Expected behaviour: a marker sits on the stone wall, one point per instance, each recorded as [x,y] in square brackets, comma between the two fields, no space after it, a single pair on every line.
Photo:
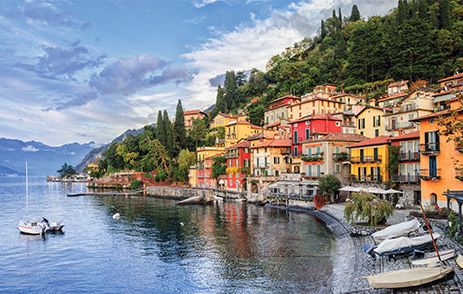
[176,193]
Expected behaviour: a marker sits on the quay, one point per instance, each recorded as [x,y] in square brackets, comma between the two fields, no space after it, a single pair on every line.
[112,193]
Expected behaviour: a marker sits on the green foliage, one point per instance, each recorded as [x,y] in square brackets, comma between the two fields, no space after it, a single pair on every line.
[453,224]
[219,166]
[355,14]
[256,113]
[169,145]
[135,184]
[198,131]
[180,139]
[367,207]
[66,170]
[328,185]
[161,129]
[393,160]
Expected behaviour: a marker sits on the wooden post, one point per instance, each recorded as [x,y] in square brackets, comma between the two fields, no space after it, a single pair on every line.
[430,232]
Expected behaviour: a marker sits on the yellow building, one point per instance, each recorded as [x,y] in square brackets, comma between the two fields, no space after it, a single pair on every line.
[369,160]
[239,129]
[370,122]
[223,119]
[193,177]
[205,152]
[271,157]
[314,105]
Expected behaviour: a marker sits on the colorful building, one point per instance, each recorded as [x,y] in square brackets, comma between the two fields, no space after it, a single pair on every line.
[223,119]
[239,129]
[395,93]
[328,154]
[419,102]
[452,82]
[238,165]
[349,99]
[314,106]
[369,160]
[277,110]
[441,159]
[202,176]
[370,122]
[190,115]
[271,157]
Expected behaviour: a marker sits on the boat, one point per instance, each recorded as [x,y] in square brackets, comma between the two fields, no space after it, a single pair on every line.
[397,230]
[431,258]
[404,245]
[408,277]
[460,261]
[31,227]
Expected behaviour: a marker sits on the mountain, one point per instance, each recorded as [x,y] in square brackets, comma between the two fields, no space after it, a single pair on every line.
[5,171]
[42,159]
[97,152]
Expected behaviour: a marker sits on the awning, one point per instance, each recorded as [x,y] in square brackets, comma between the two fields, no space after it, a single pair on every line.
[350,189]
[444,97]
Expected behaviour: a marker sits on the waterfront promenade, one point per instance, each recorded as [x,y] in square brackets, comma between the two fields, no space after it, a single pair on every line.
[353,264]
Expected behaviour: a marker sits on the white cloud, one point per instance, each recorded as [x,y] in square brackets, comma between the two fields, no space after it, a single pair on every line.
[30,148]
[248,47]
[203,3]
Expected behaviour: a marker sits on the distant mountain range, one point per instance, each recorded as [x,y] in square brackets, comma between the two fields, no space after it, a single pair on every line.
[97,152]
[42,159]
[5,171]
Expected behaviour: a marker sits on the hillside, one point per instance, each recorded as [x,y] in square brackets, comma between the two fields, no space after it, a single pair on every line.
[5,171]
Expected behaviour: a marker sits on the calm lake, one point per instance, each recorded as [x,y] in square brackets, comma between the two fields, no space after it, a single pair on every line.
[226,248]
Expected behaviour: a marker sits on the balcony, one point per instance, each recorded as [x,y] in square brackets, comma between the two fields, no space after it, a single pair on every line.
[365,159]
[231,155]
[399,126]
[231,136]
[459,174]
[429,148]
[312,157]
[367,178]
[286,152]
[430,174]
[348,124]
[404,179]
[459,146]
[408,107]
[409,156]
[342,156]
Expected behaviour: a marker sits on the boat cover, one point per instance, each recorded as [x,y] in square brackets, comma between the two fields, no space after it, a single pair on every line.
[403,242]
[397,230]
[408,277]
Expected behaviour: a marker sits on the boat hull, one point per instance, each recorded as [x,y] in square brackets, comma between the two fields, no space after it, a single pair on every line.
[28,230]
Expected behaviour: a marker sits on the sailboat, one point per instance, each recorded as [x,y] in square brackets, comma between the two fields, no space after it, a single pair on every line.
[28,226]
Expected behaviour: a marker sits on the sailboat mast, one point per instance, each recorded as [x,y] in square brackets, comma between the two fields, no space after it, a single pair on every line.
[27,191]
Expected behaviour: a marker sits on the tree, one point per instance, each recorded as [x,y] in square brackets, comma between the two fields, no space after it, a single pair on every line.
[186,159]
[230,90]
[444,14]
[220,105]
[355,14]
[179,130]
[329,185]
[66,170]
[161,129]
[169,132]
[219,166]
[322,30]
[393,161]
[198,131]
[340,18]
[240,78]
[156,157]
[256,114]
[366,207]
[130,157]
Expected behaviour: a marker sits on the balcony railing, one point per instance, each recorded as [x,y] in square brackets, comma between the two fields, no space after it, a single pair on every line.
[231,155]
[348,124]
[367,178]
[409,156]
[459,174]
[342,156]
[429,148]
[365,159]
[430,174]
[409,107]
[231,136]
[459,146]
[406,178]
[312,157]
[398,126]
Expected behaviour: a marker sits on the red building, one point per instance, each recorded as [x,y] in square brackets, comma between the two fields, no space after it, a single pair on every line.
[311,127]
[238,165]
[277,112]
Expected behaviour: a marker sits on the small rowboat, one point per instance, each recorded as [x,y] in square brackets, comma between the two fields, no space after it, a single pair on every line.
[408,277]
[460,261]
[431,259]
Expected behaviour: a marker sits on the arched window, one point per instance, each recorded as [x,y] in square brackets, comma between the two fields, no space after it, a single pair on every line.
[433,199]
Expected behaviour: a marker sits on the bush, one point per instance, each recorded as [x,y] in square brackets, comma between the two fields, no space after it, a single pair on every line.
[157,178]
[367,207]
[135,184]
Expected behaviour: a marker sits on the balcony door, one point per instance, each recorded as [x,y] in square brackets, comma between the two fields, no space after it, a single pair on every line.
[375,154]
[393,123]
[432,166]
[361,155]
[431,139]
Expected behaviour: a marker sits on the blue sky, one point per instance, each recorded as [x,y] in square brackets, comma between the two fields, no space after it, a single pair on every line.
[88,70]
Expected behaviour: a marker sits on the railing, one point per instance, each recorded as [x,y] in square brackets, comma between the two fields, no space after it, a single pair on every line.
[298,140]
[313,157]
[406,178]
[398,126]
[365,159]
[429,148]
[286,152]
[367,178]
[459,174]
[292,196]
[342,156]
[409,107]
[231,136]
[409,156]
[430,174]
[231,155]
[348,124]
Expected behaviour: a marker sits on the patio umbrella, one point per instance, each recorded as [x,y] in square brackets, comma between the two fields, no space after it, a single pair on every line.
[349,189]
[392,191]
[374,190]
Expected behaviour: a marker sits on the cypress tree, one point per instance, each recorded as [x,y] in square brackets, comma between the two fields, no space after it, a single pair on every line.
[160,129]
[323,30]
[179,130]
[230,90]
[355,14]
[444,14]
[340,19]
[220,100]
[169,132]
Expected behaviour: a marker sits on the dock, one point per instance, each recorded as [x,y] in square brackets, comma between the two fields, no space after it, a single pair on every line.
[111,193]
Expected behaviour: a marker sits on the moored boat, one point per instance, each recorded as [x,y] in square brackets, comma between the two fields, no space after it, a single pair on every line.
[397,230]
[408,277]
[31,227]
[460,261]
[404,245]
[431,258]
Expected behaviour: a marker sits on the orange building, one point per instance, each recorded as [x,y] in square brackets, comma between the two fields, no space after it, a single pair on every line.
[190,115]
[441,161]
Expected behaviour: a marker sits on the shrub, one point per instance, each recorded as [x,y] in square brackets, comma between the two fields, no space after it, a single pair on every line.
[367,207]
[157,178]
[135,184]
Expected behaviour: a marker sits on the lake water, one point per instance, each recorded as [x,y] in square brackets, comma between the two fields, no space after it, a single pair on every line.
[226,248]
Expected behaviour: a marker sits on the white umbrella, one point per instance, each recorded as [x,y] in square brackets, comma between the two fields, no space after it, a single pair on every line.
[392,191]
[374,190]
[349,189]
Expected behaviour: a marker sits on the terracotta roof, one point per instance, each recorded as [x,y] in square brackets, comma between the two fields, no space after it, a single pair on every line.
[227,115]
[399,83]
[255,137]
[242,144]
[381,140]
[284,97]
[193,111]
[435,114]
[315,116]
[274,143]
[274,124]
[341,137]
[346,94]
[395,96]
[408,136]
[213,156]
[315,99]
[457,76]
[368,107]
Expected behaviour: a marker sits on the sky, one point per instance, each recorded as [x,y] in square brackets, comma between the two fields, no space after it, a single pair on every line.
[80,71]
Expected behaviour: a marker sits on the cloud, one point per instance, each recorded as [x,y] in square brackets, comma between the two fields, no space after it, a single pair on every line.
[77,100]
[217,80]
[130,75]
[58,62]
[203,3]
[251,46]
[30,148]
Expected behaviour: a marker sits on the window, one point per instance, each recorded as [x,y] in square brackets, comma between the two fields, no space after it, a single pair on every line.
[431,140]
[318,170]
[361,133]
[362,153]
[432,166]
[307,134]
[296,151]
[309,170]
[277,173]
[337,168]
[337,150]
[377,133]
[318,150]
[295,137]
[375,153]
[276,160]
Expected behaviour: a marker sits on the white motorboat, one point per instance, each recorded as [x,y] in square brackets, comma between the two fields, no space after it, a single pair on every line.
[32,227]
[397,230]
[404,245]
